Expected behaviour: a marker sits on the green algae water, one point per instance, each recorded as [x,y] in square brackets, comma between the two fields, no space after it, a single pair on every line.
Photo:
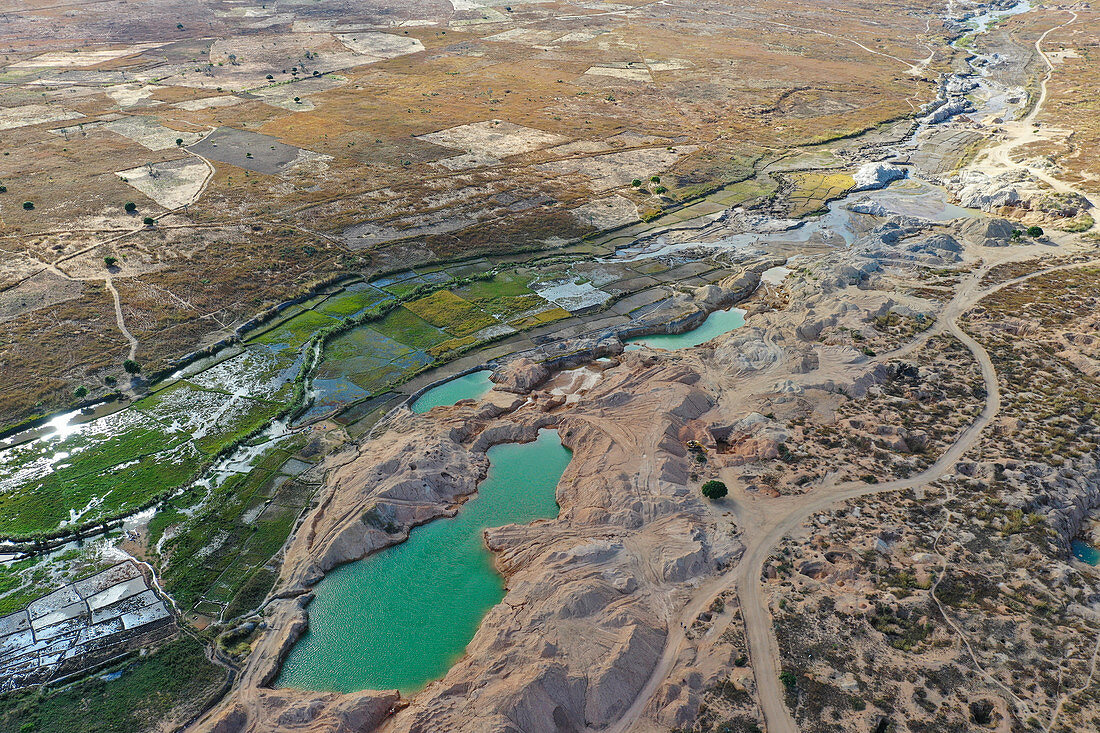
[402,617]
[469,386]
[716,324]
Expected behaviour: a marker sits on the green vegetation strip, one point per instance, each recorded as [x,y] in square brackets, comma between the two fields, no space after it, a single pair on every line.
[175,681]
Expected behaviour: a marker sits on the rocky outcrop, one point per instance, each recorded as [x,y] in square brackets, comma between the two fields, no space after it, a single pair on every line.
[286,711]
[989,232]
[979,190]
[872,176]
[520,375]
[686,310]
[950,108]
[1065,495]
[529,370]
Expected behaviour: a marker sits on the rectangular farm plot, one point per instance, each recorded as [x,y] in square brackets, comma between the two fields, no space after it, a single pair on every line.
[493,138]
[405,327]
[405,288]
[386,376]
[330,395]
[504,297]
[572,293]
[297,330]
[813,190]
[171,184]
[369,361]
[541,318]
[354,301]
[359,350]
[249,150]
[446,310]
[34,114]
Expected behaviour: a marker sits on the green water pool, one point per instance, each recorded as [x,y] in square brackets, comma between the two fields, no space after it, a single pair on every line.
[469,386]
[716,324]
[402,617]
[1085,552]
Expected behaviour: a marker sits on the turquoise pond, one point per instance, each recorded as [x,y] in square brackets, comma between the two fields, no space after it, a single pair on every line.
[716,324]
[402,617]
[469,386]
[1085,552]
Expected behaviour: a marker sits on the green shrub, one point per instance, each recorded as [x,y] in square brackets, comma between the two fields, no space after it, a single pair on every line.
[714,490]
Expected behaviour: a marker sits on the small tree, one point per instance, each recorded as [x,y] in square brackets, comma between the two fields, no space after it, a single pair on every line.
[788,679]
[636,182]
[148,221]
[179,142]
[28,205]
[655,179]
[80,392]
[659,189]
[131,366]
[1034,231]
[3,188]
[130,207]
[110,261]
[714,490]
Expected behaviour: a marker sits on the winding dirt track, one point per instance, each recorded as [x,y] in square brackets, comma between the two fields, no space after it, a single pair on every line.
[118,317]
[1025,132]
[766,522]
[765,528]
